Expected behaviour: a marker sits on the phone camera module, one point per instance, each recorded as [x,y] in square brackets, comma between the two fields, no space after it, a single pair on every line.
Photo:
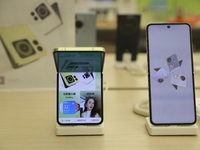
[23,48]
[168,26]
[160,80]
[70,79]
[169,59]
[79,24]
[86,75]
[183,78]
[42,11]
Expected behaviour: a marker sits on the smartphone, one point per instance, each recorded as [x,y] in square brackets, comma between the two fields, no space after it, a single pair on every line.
[79,85]
[170,74]
[128,31]
[86,27]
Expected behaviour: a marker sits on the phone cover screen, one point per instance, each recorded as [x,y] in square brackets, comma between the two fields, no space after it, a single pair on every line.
[170,67]
[79,87]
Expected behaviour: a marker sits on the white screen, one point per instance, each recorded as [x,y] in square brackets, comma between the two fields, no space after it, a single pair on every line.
[171,85]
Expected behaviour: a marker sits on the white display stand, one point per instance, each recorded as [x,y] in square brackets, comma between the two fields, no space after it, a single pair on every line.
[171,130]
[134,67]
[80,130]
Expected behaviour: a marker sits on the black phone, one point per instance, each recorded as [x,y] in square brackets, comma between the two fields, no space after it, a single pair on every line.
[79,85]
[128,31]
[170,74]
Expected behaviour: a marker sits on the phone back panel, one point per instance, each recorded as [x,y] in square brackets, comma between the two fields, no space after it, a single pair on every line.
[86,29]
[128,31]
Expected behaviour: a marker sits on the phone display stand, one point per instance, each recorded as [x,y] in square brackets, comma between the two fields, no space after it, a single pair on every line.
[171,130]
[132,66]
[80,129]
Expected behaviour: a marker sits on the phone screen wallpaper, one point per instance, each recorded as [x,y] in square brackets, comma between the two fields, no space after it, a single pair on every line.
[171,75]
[80,88]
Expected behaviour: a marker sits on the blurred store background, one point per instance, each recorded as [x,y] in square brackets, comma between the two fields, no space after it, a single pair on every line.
[30,32]
[151,11]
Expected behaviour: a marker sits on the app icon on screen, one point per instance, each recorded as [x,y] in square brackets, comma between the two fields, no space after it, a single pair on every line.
[70,107]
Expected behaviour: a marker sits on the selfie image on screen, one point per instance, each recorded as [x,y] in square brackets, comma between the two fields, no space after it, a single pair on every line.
[90,106]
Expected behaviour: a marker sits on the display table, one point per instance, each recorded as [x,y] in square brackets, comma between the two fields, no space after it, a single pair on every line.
[123,79]
[28,122]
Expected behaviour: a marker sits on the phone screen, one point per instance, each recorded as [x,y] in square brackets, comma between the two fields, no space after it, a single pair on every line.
[79,87]
[171,78]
